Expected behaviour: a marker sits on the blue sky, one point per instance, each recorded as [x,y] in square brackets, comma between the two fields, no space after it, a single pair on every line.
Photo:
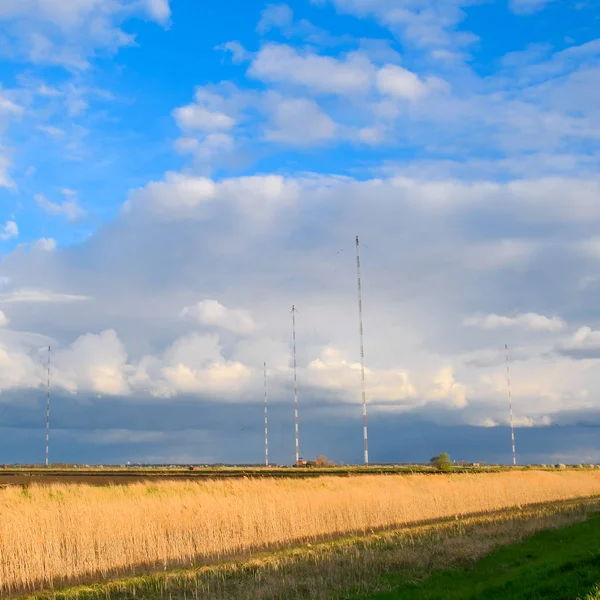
[174,175]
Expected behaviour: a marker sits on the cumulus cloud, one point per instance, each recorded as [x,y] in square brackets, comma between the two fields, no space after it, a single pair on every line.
[184,196]
[300,122]
[273,241]
[446,388]
[176,194]
[9,230]
[67,33]
[323,74]
[531,321]
[5,180]
[275,16]
[44,244]
[193,364]
[398,82]
[584,343]
[17,369]
[94,362]
[238,53]
[424,23]
[8,107]
[4,321]
[158,10]
[194,116]
[446,238]
[333,371]
[69,208]
[211,313]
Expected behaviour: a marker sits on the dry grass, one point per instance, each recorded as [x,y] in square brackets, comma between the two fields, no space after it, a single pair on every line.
[59,534]
[346,568]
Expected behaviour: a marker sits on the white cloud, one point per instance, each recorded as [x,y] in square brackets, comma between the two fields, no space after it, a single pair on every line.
[211,313]
[67,33]
[526,422]
[515,253]
[51,131]
[9,230]
[191,365]
[177,195]
[273,241]
[371,135]
[17,369]
[396,81]
[332,371]
[159,10]
[446,388]
[41,296]
[275,16]
[300,122]
[424,23]
[45,245]
[585,338]
[194,116]
[69,208]
[322,74]
[5,180]
[96,363]
[207,149]
[238,53]
[9,107]
[184,196]
[530,321]
[4,321]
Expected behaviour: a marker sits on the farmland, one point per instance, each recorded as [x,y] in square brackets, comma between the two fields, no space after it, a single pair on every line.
[64,534]
[119,475]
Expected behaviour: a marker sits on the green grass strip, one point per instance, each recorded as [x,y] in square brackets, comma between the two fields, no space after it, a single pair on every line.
[552,565]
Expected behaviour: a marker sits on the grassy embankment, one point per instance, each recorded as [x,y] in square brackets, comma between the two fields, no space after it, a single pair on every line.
[56,535]
[553,565]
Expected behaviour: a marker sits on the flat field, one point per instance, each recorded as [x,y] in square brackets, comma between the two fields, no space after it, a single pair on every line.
[115,475]
[439,560]
[61,534]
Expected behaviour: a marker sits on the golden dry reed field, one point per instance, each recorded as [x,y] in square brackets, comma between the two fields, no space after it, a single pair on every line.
[66,533]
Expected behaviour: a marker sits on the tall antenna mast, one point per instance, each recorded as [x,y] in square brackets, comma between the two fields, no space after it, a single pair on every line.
[48,405]
[295,384]
[512,422]
[362,355]
[266,422]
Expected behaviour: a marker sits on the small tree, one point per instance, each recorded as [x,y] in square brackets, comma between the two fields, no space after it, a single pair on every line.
[441,462]
[323,462]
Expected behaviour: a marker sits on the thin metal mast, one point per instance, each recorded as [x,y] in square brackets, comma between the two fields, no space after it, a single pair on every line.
[362,355]
[266,421]
[48,405]
[512,422]
[295,384]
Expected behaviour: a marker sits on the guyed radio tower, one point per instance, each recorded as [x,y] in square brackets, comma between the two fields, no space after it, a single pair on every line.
[295,383]
[48,406]
[512,422]
[362,355]
[266,421]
